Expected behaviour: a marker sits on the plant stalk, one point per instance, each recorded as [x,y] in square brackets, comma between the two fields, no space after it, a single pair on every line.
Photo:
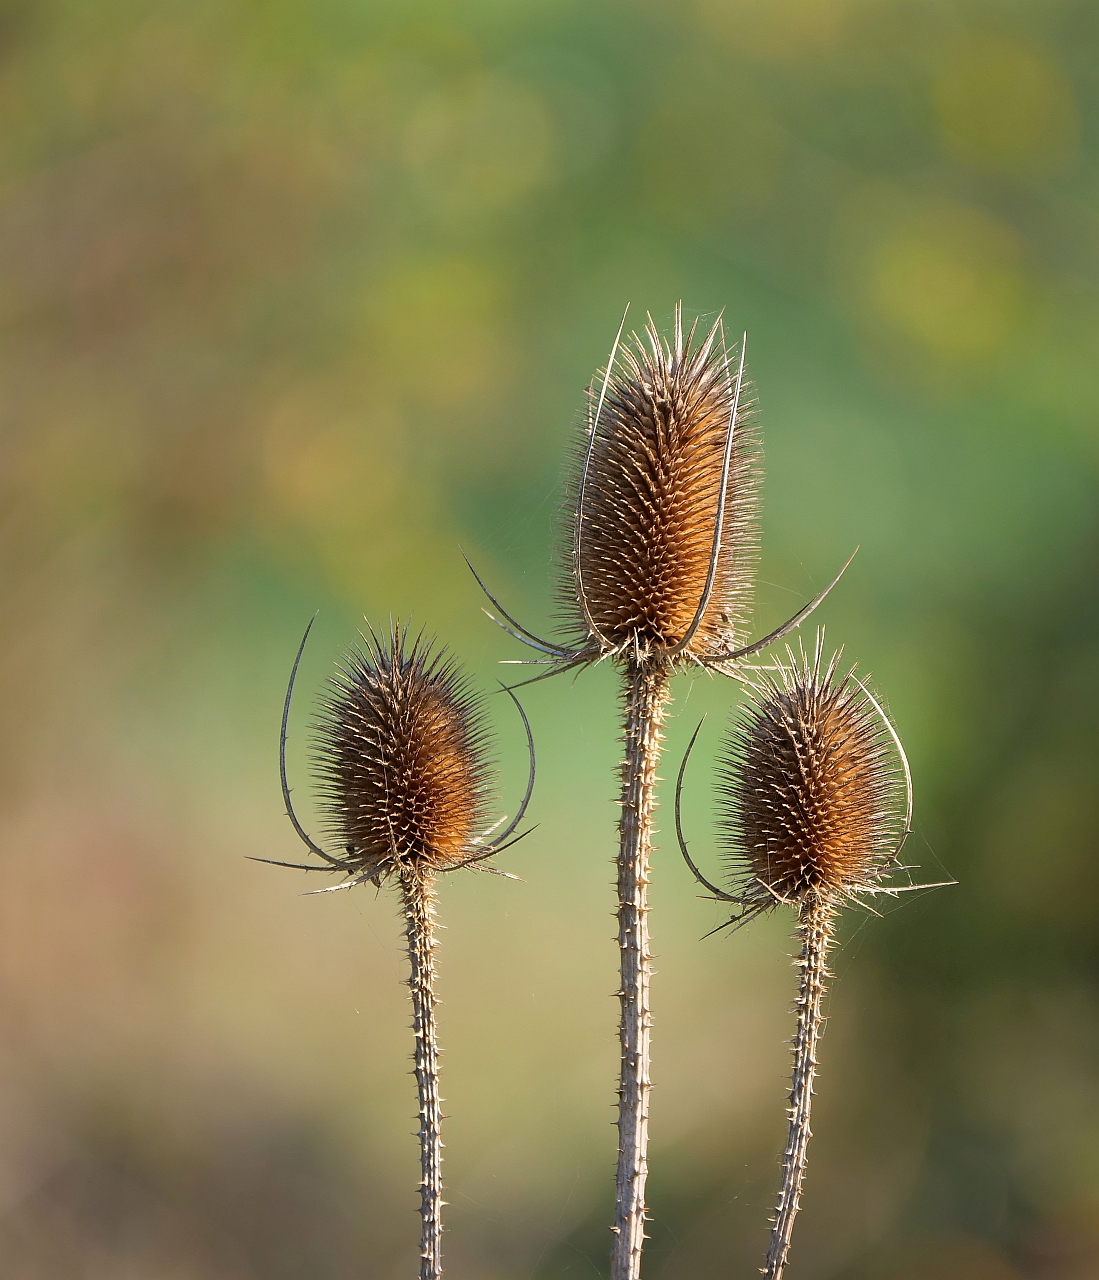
[815,930]
[645,696]
[418,904]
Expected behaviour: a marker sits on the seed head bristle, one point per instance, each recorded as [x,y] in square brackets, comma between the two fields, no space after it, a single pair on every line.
[646,501]
[811,793]
[402,759]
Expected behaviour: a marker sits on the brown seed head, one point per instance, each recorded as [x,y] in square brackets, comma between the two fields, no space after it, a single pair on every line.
[812,798]
[401,759]
[646,566]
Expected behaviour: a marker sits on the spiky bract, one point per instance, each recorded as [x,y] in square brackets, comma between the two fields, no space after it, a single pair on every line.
[812,796]
[646,497]
[402,759]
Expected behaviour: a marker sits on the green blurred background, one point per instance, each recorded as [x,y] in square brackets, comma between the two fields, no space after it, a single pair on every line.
[299,296]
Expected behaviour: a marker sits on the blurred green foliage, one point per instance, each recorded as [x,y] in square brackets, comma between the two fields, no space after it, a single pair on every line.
[298,297]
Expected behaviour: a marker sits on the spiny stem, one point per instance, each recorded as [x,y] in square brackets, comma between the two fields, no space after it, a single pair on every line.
[646,695]
[815,930]
[418,904]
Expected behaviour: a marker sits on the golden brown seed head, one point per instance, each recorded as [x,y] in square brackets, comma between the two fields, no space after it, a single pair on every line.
[811,796]
[646,500]
[401,758]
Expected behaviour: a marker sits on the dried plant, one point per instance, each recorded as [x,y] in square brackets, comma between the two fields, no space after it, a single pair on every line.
[402,756]
[662,549]
[665,494]
[815,804]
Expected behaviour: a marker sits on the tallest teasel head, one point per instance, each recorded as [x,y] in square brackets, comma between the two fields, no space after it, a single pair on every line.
[664,498]
[665,532]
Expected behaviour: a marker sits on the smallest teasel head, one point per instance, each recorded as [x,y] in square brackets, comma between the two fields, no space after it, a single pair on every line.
[814,791]
[402,759]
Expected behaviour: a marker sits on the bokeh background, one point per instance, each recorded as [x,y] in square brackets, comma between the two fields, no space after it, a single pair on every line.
[297,297]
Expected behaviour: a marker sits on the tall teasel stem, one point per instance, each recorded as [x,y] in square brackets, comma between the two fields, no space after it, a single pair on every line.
[815,919]
[662,552]
[646,697]
[418,905]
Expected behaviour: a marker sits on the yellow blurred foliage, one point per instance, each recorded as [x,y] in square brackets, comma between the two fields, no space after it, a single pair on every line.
[433,333]
[947,280]
[1005,105]
[707,154]
[780,30]
[481,146]
[332,472]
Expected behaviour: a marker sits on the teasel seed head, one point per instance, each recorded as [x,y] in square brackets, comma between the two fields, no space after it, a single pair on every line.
[813,788]
[665,501]
[402,758]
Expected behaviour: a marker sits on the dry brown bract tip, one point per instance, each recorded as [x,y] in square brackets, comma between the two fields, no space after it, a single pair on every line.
[402,760]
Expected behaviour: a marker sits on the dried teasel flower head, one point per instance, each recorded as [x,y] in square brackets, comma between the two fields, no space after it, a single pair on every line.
[666,496]
[664,504]
[402,758]
[815,796]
